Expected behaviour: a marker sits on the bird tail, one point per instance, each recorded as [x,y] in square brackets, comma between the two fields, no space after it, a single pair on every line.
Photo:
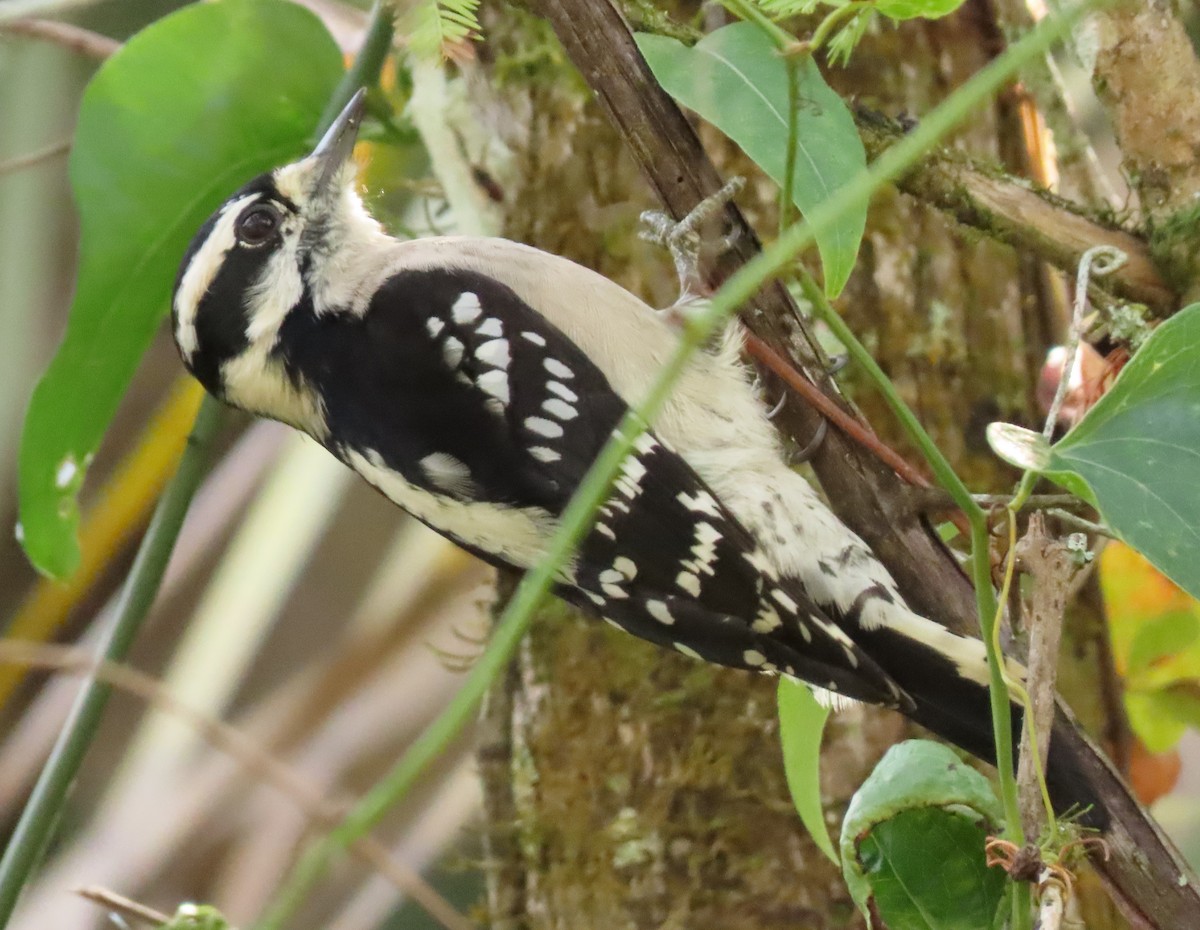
[951,700]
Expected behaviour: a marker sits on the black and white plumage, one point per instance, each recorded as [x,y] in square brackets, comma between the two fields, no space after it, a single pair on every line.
[473,381]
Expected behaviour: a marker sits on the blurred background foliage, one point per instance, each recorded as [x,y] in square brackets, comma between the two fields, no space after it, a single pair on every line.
[299,607]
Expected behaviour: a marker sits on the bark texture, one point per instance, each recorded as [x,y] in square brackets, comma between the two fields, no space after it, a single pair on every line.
[646,790]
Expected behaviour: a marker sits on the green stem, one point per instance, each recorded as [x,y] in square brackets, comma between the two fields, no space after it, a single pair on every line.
[831,22]
[789,165]
[364,70]
[985,598]
[36,826]
[594,488]
[753,14]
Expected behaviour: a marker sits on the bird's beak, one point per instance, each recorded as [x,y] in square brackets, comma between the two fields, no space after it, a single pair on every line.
[333,151]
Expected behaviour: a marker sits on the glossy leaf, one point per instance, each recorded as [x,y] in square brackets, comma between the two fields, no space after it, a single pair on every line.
[927,871]
[1138,450]
[185,112]
[922,804]
[735,79]
[801,726]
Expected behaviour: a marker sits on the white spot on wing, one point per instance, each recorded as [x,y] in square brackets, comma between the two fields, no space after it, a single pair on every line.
[435,326]
[625,567]
[689,582]
[494,352]
[556,387]
[495,382]
[452,351]
[517,534]
[767,620]
[543,427]
[700,502]
[490,327]
[535,338]
[688,651]
[753,658]
[782,599]
[557,368]
[658,610]
[560,409]
[448,473]
[542,454]
[466,308]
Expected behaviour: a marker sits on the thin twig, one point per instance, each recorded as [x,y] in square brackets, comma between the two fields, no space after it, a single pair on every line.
[73,38]
[261,764]
[1097,261]
[1079,523]
[1009,210]
[855,429]
[12,10]
[1050,567]
[33,159]
[124,907]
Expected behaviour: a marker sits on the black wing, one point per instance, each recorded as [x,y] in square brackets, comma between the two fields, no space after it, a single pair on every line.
[451,382]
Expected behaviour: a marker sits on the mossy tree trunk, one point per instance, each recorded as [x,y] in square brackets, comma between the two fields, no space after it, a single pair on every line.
[631,788]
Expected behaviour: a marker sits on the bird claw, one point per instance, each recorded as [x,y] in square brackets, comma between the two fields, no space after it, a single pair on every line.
[684,241]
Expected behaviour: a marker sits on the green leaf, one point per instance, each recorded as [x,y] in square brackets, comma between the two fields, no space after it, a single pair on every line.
[801,726]
[436,25]
[921,776]
[914,9]
[1157,718]
[190,108]
[735,79]
[1161,638]
[927,871]
[1138,450]
[1019,446]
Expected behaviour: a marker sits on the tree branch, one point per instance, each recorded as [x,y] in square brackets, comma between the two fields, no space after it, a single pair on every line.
[1145,874]
[1012,212]
[1147,76]
[73,38]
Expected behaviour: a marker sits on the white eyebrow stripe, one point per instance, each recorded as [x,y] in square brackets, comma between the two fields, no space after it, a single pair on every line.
[200,272]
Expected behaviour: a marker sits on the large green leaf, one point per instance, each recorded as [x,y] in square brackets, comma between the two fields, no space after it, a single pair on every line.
[186,111]
[912,841]
[736,80]
[1138,450]
[927,871]
[801,726]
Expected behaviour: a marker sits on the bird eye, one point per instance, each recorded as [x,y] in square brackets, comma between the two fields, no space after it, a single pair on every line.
[257,224]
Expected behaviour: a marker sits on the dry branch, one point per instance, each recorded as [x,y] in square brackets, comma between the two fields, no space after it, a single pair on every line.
[1011,211]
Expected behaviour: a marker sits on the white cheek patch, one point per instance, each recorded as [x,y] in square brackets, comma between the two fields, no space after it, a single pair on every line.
[277,291]
[200,273]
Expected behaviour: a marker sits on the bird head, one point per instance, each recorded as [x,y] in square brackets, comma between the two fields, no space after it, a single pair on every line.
[264,254]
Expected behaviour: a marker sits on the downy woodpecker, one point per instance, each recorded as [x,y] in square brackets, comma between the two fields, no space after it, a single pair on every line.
[473,381]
